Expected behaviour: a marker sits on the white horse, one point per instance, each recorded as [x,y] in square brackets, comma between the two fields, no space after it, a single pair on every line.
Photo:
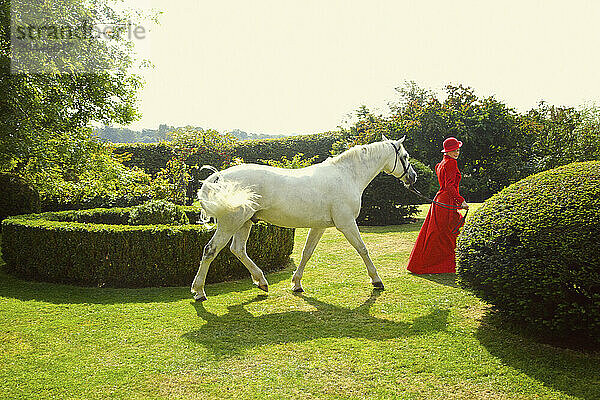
[316,197]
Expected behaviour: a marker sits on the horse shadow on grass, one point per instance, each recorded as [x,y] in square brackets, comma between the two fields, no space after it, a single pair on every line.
[238,329]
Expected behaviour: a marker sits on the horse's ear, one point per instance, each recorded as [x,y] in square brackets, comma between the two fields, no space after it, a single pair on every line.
[402,140]
[383,138]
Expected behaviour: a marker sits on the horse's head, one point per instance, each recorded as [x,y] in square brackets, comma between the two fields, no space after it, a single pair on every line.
[398,164]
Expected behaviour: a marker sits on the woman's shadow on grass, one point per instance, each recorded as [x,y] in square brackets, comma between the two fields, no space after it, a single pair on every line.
[237,330]
[446,279]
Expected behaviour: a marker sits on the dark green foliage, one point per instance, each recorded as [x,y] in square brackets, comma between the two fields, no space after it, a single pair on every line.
[17,197]
[563,135]
[151,157]
[532,250]
[44,110]
[97,250]
[158,212]
[387,202]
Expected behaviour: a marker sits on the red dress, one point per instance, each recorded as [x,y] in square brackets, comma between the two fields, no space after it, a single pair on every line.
[434,249]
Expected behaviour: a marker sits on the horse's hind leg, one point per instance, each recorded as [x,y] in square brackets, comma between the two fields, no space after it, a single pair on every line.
[352,234]
[313,237]
[214,246]
[238,247]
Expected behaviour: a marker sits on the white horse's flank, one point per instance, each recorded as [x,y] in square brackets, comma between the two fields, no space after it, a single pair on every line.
[316,197]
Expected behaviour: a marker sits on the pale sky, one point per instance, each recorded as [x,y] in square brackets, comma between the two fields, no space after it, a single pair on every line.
[301,66]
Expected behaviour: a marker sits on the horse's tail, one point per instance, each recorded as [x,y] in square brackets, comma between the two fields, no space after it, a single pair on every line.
[219,196]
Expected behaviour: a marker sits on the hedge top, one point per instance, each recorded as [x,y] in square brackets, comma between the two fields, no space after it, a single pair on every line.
[99,219]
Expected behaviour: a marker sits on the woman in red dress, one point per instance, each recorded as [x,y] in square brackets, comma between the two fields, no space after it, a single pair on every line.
[434,249]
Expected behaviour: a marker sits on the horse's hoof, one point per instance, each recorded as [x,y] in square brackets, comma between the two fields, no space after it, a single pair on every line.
[197,297]
[378,285]
[264,287]
[298,290]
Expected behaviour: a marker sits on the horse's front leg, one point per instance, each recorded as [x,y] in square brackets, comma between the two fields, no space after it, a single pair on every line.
[352,234]
[214,246]
[313,237]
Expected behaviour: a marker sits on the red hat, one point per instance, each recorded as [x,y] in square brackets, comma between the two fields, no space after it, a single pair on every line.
[451,144]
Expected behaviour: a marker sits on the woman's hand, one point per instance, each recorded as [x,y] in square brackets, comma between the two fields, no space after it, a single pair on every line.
[465,205]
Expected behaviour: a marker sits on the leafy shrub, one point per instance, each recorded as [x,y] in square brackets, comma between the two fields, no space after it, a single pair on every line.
[92,247]
[95,178]
[158,212]
[532,250]
[17,197]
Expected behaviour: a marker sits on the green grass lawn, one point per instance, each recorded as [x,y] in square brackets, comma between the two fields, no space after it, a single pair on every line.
[421,338]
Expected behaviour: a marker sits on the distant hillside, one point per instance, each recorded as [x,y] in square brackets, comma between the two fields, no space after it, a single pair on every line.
[125,135]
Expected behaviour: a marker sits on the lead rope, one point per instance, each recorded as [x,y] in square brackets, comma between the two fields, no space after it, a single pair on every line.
[446,206]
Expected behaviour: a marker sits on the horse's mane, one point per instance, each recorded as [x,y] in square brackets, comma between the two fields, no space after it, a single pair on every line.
[358,153]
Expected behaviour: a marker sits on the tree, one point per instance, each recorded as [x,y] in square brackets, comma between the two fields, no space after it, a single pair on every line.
[41,111]
[55,80]
[563,135]
[496,148]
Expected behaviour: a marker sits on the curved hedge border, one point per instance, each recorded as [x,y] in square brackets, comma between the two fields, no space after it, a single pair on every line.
[92,248]
[533,251]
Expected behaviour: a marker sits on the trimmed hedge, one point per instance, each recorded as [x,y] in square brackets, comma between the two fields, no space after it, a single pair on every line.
[150,157]
[55,204]
[93,248]
[533,251]
[17,197]
[273,149]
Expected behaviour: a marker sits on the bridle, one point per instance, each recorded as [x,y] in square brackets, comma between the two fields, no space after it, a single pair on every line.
[415,191]
[397,150]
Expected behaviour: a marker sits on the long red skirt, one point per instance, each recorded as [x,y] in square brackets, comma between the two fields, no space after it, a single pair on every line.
[434,249]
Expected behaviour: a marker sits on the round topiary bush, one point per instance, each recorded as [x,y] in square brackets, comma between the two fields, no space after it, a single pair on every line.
[533,251]
[97,248]
[17,197]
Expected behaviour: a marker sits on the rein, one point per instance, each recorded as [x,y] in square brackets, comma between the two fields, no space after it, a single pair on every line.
[432,201]
[446,206]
